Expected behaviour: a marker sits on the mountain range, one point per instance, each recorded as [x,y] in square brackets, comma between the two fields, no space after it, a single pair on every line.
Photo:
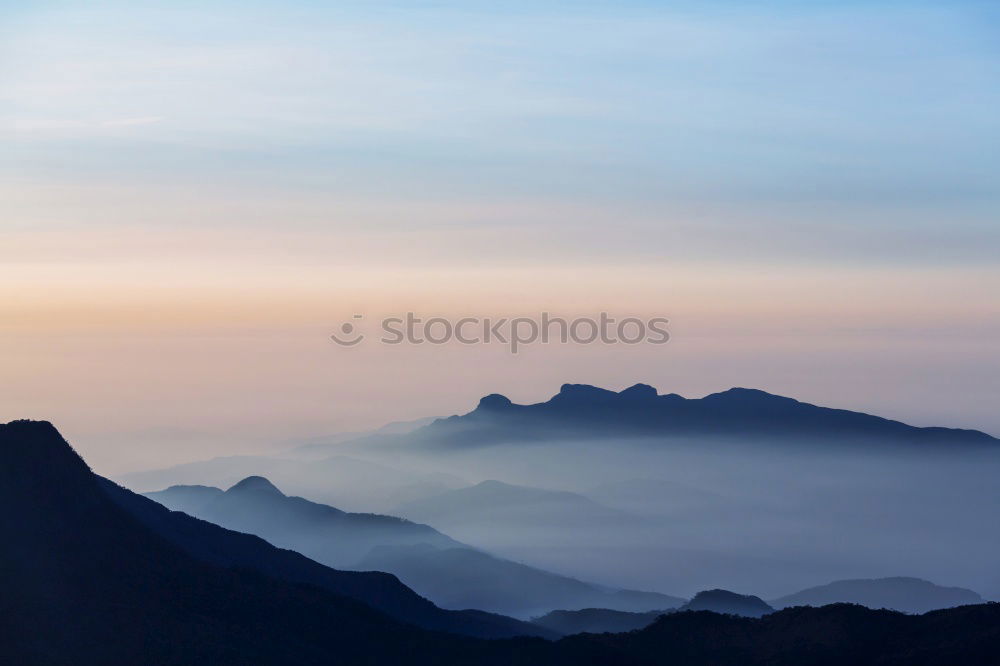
[605,620]
[96,574]
[324,533]
[348,482]
[900,593]
[803,636]
[449,573]
[454,575]
[908,595]
[581,411]
[469,578]
[492,503]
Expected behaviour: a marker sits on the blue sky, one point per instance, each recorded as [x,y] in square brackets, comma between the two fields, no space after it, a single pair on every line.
[829,115]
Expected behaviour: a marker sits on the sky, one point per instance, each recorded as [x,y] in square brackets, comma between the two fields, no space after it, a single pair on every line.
[195,195]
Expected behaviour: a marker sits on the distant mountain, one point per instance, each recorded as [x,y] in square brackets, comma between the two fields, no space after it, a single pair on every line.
[400,427]
[445,571]
[231,549]
[189,499]
[468,578]
[596,621]
[326,534]
[908,595]
[344,481]
[226,470]
[580,411]
[729,603]
[493,502]
[323,447]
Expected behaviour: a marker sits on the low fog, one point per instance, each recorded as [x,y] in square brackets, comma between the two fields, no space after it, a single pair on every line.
[672,516]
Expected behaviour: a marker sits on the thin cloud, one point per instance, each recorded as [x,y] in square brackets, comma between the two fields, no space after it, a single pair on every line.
[63,124]
[127,122]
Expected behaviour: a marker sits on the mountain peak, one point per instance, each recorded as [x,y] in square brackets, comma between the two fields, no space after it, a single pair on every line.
[731,603]
[639,391]
[738,394]
[255,484]
[718,594]
[588,393]
[492,483]
[35,452]
[494,401]
[582,392]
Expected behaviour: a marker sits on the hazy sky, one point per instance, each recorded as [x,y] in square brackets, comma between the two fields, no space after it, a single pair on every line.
[195,194]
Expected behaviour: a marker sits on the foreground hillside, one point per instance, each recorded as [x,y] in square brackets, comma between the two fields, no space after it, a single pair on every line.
[98,578]
[834,635]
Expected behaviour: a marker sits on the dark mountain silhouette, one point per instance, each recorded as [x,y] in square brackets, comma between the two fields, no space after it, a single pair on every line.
[596,620]
[87,581]
[213,545]
[326,534]
[216,545]
[729,603]
[493,502]
[582,411]
[439,568]
[463,578]
[829,636]
[908,595]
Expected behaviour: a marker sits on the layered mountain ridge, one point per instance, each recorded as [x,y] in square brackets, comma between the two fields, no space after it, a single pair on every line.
[96,574]
[584,411]
[61,501]
[900,593]
[450,573]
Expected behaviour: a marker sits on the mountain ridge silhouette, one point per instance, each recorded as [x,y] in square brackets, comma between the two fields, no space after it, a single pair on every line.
[585,411]
[444,570]
[900,593]
[727,603]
